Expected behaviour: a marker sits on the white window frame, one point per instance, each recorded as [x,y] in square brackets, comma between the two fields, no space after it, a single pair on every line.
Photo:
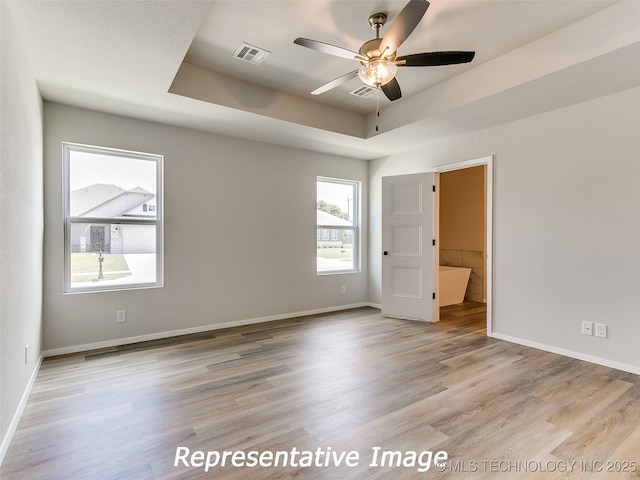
[68,148]
[355,228]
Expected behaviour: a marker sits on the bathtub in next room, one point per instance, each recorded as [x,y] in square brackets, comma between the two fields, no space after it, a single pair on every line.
[453,284]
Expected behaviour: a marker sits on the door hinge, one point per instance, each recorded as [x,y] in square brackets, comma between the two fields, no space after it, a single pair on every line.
[434,295]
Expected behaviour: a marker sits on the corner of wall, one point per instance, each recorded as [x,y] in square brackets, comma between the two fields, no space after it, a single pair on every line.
[21,217]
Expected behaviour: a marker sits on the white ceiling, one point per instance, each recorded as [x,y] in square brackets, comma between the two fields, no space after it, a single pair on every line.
[172,62]
[447,25]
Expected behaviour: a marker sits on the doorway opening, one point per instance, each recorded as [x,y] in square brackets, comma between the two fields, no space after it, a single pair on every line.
[463,228]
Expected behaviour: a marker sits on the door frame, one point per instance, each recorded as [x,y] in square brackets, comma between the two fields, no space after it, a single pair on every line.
[488,163]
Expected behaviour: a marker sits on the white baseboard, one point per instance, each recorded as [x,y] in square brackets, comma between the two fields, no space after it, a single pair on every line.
[219,326]
[569,353]
[6,440]
[187,331]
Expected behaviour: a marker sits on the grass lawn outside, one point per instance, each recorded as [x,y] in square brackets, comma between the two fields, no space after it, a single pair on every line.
[85,266]
[335,253]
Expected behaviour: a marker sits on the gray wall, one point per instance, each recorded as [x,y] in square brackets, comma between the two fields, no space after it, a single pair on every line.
[566,226]
[21,225]
[240,233]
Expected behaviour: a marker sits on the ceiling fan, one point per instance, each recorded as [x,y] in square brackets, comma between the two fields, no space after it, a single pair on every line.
[377,57]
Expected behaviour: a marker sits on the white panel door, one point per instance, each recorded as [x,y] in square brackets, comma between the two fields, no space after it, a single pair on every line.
[408,266]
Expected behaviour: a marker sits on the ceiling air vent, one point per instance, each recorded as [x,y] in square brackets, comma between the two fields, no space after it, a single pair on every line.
[251,54]
[363,91]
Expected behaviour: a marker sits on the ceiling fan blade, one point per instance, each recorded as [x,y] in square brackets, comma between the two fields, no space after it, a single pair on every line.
[406,21]
[327,48]
[431,59]
[392,89]
[335,83]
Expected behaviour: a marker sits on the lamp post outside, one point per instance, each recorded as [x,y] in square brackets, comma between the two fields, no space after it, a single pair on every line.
[100,260]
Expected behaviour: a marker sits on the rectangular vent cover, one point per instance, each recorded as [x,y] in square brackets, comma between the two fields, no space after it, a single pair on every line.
[251,54]
[363,91]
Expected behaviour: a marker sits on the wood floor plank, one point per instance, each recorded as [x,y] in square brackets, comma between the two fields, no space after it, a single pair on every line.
[603,434]
[345,381]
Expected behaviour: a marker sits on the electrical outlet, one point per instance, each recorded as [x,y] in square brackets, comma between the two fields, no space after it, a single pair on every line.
[601,330]
[587,328]
[121,316]
[343,290]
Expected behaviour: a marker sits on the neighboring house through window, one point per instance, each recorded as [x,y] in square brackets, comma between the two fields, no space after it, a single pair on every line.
[337,223]
[113,219]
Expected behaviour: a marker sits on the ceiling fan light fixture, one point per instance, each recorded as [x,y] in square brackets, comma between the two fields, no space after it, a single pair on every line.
[377,72]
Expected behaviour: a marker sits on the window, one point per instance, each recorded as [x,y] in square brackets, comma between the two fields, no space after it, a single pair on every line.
[337,237]
[113,219]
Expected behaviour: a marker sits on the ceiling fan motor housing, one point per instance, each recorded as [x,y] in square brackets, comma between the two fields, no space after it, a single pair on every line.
[371,49]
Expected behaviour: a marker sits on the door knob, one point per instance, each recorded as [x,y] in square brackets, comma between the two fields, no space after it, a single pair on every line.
[385,253]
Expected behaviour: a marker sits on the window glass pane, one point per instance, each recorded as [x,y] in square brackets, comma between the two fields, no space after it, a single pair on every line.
[336,221]
[112,254]
[111,186]
[113,223]
[335,203]
[335,254]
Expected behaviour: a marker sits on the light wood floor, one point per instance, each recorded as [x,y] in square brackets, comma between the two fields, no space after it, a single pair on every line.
[349,381]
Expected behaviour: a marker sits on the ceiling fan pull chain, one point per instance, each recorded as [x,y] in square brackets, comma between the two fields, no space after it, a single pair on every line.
[377,107]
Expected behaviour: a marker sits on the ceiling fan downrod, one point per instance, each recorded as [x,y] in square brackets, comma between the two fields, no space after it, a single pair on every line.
[377,21]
